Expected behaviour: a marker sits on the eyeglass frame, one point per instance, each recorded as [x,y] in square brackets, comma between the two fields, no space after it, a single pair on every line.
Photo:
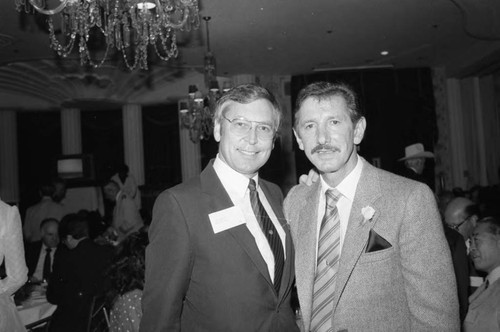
[274,131]
[457,226]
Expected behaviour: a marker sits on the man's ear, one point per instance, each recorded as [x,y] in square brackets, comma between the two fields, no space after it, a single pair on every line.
[359,130]
[217,129]
[473,219]
[299,141]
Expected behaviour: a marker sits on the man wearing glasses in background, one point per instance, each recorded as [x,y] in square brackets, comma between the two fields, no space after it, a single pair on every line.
[220,257]
[461,214]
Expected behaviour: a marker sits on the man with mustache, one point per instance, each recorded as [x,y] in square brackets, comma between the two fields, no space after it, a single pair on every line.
[371,254]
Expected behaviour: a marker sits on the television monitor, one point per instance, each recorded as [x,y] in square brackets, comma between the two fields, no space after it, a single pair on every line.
[76,169]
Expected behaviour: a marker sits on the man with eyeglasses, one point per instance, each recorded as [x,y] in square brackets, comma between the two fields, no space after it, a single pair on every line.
[461,214]
[484,309]
[220,256]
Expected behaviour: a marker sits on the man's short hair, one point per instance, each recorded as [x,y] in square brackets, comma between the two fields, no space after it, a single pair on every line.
[48,221]
[492,223]
[75,225]
[245,94]
[47,189]
[325,90]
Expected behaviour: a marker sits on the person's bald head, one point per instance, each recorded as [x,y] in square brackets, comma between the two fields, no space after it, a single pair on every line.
[461,214]
[50,232]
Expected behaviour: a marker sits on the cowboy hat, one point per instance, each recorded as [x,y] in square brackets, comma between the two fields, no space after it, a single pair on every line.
[416,151]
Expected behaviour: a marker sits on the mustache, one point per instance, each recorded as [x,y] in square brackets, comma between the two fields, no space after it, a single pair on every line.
[324,147]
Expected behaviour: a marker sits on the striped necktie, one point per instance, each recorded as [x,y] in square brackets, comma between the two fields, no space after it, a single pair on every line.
[270,232]
[327,265]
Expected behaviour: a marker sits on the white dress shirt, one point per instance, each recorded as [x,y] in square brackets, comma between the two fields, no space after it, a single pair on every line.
[347,188]
[41,259]
[236,185]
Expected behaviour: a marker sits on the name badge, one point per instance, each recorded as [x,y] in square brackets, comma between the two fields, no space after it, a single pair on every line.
[227,218]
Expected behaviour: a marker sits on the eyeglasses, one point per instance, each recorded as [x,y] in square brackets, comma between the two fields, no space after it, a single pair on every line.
[241,127]
[457,226]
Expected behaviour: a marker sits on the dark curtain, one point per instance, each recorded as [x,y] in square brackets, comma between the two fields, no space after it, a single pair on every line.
[162,156]
[102,137]
[39,144]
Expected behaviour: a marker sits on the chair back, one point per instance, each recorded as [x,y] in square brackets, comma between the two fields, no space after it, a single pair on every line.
[98,315]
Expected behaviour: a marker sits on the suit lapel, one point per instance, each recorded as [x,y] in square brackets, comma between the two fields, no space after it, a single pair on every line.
[289,269]
[217,199]
[478,296]
[306,250]
[367,193]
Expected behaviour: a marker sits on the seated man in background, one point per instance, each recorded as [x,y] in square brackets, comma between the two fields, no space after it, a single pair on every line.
[45,208]
[126,216]
[40,254]
[77,276]
[484,304]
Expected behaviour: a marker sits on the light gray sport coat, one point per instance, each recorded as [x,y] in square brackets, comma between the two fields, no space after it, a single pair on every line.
[408,286]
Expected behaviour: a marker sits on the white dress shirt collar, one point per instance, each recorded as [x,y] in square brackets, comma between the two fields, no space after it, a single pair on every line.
[347,187]
[235,183]
[494,275]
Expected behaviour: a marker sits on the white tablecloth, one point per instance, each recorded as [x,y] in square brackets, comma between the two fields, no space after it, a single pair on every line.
[35,309]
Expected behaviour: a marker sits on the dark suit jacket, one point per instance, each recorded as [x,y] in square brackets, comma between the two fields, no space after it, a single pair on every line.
[77,275]
[200,281]
[411,174]
[460,265]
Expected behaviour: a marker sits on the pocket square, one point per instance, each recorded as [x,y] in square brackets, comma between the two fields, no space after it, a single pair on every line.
[376,242]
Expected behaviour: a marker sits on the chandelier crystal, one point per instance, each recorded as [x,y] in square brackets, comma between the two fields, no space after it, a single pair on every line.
[132,27]
[196,112]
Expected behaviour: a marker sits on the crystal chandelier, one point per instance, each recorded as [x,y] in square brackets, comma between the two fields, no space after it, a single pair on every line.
[196,112]
[129,26]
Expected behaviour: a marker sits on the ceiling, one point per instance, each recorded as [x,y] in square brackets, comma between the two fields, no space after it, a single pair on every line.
[283,37]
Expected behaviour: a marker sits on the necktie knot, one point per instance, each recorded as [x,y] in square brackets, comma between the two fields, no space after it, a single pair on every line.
[332,197]
[48,250]
[252,185]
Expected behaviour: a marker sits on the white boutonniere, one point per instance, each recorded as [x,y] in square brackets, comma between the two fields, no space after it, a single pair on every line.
[367,213]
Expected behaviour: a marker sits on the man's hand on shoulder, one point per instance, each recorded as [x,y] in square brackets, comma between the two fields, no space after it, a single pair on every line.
[310,178]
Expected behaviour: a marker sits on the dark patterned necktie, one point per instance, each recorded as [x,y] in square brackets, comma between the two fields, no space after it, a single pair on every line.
[47,264]
[270,232]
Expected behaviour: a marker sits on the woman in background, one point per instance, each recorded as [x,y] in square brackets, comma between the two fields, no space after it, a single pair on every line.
[12,253]
[126,276]
[127,184]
